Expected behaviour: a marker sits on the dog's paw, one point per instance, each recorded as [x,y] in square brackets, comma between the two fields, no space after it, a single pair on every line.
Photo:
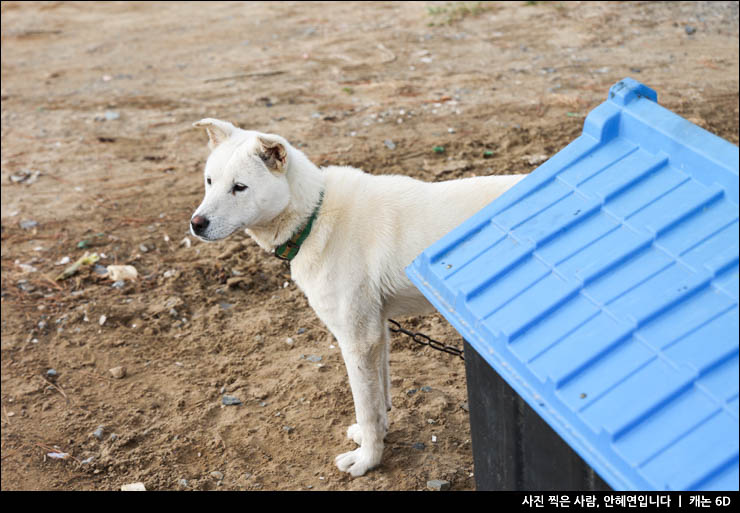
[357,462]
[355,434]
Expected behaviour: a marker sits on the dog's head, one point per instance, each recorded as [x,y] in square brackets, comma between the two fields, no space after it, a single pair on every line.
[244,178]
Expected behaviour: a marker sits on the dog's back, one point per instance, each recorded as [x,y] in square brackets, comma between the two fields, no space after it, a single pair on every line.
[381,223]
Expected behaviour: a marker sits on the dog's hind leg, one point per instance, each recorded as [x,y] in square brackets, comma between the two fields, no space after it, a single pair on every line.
[364,352]
[386,371]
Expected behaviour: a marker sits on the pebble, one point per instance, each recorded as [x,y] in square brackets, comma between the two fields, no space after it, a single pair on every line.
[183,483]
[426,389]
[389,144]
[143,248]
[438,485]
[102,319]
[111,115]
[118,372]
[313,358]
[288,429]
[133,487]
[289,341]
[98,433]
[27,224]
[52,373]
[230,400]
[217,475]
[118,284]
[419,446]
[301,331]
[690,30]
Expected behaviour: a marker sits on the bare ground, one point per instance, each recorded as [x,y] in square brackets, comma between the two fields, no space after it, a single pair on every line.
[98,98]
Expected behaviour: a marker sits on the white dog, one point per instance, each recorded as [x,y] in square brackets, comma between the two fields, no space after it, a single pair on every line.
[348,235]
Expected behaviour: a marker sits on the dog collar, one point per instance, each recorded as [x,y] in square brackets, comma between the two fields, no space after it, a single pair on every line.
[289,249]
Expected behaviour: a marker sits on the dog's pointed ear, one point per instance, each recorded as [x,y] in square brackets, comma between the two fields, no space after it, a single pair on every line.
[271,149]
[218,131]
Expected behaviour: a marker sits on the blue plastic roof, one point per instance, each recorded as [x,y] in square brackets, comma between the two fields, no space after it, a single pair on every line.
[604,288]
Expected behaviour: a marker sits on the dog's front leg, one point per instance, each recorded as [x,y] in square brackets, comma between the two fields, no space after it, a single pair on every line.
[364,356]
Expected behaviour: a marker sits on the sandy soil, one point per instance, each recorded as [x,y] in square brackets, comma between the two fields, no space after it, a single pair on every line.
[98,155]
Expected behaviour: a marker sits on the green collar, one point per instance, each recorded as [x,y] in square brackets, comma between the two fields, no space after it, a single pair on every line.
[289,249]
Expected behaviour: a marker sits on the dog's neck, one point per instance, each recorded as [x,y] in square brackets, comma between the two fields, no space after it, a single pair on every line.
[306,182]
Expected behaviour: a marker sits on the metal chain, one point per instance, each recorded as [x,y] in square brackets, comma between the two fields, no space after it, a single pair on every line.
[426,340]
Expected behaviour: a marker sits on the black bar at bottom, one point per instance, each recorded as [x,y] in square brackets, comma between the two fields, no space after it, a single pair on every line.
[513,447]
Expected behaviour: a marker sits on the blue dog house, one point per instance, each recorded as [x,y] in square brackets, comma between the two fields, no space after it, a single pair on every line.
[603,291]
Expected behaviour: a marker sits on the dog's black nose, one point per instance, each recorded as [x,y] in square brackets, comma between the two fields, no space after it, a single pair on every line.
[199,223]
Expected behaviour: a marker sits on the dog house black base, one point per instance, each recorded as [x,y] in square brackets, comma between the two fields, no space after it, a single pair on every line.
[513,448]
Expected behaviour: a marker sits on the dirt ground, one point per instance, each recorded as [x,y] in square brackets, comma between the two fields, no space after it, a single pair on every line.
[98,155]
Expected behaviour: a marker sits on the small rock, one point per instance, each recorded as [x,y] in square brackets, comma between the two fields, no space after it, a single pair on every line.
[289,341]
[118,284]
[183,483]
[133,487]
[389,144]
[25,286]
[111,115]
[426,389]
[102,319]
[690,30]
[27,224]
[411,391]
[419,446]
[438,485]
[98,433]
[118,372]
[313,358]
[143,248]
[64,261]
[225,306]
[230,400]
[301,331]
[122,272]
[217,475]
[26,268]
[52,373]
[288,429]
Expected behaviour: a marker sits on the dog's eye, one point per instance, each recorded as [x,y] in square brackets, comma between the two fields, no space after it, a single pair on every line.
[208,181]
[238,187]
